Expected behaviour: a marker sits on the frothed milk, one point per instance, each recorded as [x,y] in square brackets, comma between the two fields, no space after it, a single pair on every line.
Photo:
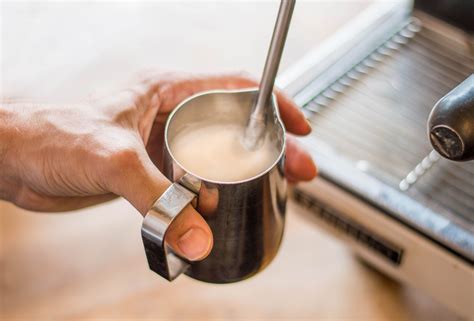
[215,152]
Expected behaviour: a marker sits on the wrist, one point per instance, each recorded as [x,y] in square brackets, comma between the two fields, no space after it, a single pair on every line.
[8,137]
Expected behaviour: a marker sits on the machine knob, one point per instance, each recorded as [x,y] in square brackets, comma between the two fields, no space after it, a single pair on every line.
[451,123]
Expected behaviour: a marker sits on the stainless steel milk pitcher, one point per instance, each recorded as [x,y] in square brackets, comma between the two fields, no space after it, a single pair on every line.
[246,217]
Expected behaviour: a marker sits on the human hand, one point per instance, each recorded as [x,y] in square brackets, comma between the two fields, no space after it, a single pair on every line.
[58,158]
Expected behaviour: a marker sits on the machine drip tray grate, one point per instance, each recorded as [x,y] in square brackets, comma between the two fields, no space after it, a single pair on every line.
[375,116]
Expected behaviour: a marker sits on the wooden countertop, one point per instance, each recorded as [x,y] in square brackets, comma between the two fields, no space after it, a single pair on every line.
[90,264]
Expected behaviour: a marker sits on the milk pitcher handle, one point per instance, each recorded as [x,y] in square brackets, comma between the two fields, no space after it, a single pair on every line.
[169,205]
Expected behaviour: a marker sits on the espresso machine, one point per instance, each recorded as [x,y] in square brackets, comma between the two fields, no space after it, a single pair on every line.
[391,102]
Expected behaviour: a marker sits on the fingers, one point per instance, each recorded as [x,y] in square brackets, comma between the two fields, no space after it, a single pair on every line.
[174,89]
[291,115]
[294,120]
[139,181]
[299,165]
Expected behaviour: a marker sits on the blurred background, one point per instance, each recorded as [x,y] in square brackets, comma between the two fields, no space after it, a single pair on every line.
[50,48]
[90,264]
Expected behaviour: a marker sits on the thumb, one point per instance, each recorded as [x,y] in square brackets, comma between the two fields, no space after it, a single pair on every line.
[136,178]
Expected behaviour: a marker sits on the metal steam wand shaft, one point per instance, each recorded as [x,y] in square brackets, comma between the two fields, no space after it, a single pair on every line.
[255,131]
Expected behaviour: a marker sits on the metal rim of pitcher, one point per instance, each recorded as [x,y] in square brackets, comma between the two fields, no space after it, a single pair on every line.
[224,91]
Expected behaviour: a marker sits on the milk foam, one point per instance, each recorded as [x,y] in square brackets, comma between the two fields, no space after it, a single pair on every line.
[215,152]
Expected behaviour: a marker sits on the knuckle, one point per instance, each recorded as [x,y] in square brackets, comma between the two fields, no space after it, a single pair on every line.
[124,158]
[111,154]
[123,107]
[118,165]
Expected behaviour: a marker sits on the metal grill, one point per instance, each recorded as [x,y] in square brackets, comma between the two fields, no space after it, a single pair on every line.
[375,116]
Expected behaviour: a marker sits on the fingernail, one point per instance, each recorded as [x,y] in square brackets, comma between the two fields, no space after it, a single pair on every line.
[194,244]
[309,125]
